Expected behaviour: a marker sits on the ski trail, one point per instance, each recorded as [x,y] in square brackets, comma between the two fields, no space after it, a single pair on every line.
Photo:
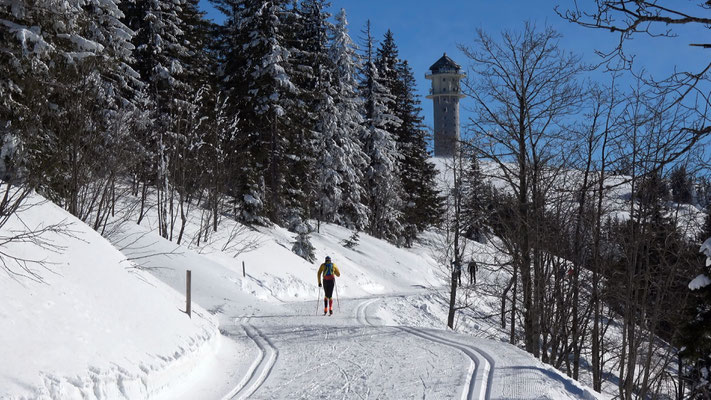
[361,314]
[261,367]
[252,368]
[490,363]
[481,367]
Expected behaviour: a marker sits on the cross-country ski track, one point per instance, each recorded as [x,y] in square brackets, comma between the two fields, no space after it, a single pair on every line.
[295,352]
[477,385]
[302,354]
[261,367]
[343,325]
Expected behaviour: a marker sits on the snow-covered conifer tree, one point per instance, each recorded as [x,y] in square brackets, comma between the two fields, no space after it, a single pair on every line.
[476,197]
[158,59]
[30,54]
[315,77]
[340,156]
[257,79]
[422,204]
[386,62]
[171,58]
[64,93]
[696,333]
[382,175]
[302,246]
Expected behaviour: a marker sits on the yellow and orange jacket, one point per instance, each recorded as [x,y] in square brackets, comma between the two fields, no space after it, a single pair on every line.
[327,275]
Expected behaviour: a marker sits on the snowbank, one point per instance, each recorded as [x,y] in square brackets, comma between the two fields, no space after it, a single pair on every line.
[90,325]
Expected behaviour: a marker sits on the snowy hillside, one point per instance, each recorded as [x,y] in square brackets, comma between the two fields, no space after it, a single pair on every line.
[388,301]
[90,325]
[112,315]
[103,327]
[618,192]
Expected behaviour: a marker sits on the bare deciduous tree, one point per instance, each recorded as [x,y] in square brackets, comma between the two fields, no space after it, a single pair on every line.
[687,86]
[523,87]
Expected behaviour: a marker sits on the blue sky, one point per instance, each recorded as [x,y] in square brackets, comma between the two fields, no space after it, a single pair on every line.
[424,30]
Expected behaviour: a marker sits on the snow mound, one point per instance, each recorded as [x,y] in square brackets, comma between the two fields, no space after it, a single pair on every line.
[89,324]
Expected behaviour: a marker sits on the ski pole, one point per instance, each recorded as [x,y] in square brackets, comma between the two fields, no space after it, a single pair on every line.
[318,298]
[337,301]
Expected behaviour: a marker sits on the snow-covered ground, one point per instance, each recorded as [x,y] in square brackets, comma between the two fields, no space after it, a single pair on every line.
[89,325]
[106,324]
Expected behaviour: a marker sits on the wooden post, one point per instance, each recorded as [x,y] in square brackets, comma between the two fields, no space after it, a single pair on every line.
[187,294]
[244,274]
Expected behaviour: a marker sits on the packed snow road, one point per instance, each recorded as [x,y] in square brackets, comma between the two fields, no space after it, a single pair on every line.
[351,355]
[308,355]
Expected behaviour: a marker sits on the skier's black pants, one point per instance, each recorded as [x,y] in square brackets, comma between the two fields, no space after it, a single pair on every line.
[328,285]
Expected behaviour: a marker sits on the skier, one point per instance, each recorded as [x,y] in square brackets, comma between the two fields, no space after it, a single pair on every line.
[328,270]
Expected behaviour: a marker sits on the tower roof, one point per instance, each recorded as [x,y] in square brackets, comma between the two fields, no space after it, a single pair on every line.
[445,64]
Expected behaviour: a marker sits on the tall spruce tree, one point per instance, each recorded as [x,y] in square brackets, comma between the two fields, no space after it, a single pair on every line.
[228,140]
[382,175]
[387,62]
[340,155]
[421,200]
[158,57]
[305,26]
[63,96]
[311,72]
[321,70]
[258,78]
[421,204]
[349,164]
[195,118]
[30,54]
[695,340]
[681,185]
[476,201]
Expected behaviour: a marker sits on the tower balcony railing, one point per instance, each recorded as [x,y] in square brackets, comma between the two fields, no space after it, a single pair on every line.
[455,91]
[431,74]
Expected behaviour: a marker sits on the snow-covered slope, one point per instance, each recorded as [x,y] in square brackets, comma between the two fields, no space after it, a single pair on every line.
[91,325]
[107,323]
[617,193]
[387,338]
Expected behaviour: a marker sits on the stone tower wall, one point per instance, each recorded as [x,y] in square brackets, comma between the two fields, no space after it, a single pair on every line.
[445,95]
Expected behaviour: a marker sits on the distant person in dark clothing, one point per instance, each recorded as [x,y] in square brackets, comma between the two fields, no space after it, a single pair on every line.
[457,271]
[472,272]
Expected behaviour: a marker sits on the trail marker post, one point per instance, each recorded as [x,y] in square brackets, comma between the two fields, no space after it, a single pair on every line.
[187,293]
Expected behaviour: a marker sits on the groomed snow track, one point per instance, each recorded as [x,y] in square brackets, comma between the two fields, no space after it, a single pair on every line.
[477,385]
[261,367]
[361,314]
[481,370]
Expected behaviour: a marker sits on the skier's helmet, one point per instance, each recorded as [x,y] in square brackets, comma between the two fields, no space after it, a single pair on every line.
[328,259]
